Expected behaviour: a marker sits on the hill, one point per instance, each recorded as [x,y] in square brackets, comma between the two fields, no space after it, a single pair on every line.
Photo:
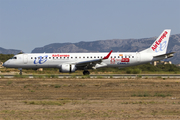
[121,45]
[9,51]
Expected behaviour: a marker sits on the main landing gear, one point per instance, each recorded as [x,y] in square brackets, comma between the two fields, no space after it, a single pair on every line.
[85,72]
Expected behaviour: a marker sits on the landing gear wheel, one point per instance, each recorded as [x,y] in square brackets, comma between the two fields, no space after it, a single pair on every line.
[86,72]
[20,73]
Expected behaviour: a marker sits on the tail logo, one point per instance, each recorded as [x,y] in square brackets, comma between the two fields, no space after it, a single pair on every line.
[161,47]
[158,42]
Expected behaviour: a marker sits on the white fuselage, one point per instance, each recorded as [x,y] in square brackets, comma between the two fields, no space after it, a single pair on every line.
[54,60]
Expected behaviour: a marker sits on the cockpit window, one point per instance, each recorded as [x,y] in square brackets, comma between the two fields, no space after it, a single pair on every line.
[14,58]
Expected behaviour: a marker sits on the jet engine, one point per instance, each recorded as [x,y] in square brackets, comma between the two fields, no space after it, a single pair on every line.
[65,68]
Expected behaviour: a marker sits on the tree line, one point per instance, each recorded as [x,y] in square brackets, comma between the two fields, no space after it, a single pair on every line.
[5,57]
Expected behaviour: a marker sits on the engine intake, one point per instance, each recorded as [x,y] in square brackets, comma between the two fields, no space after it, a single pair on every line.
[67,68]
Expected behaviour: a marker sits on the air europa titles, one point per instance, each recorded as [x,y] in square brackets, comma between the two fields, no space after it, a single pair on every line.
[58,55]
[159,41]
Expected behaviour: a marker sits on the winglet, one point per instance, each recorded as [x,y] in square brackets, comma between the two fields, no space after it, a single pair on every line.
[108,55]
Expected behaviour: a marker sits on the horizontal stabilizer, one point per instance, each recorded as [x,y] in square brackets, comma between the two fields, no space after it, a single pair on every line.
[167,55]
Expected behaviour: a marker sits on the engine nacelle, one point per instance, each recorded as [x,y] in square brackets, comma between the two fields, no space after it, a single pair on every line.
[67,68]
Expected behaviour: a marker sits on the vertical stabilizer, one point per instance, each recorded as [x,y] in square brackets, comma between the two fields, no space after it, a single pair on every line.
[160,45]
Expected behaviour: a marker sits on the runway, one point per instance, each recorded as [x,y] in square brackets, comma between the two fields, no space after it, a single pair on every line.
[115,76]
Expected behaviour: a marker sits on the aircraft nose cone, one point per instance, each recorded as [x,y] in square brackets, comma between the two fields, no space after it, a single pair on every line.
[5,64]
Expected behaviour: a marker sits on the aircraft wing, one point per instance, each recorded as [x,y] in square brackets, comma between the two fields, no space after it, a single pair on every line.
[167,55]
[91,63]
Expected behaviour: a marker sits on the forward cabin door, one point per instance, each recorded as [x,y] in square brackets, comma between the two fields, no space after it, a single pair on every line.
[138,57]
[25,59]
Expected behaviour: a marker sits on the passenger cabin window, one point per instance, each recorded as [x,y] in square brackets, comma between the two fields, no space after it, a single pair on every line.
[114,56]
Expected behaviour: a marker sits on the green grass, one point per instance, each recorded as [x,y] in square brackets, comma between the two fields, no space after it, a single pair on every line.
[57,86]
[169,112]
[146,94]
[85,76]
[99,77]
[139,76]
[20,76]
[1,76]
[140,102]
[59,103]
[9,82]
[38,76]
[54,76]
[161,95]
[73,76]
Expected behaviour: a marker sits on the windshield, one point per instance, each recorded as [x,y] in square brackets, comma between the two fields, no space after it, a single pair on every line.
[14,57]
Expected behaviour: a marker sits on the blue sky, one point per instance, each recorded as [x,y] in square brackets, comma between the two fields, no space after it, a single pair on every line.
[26,24]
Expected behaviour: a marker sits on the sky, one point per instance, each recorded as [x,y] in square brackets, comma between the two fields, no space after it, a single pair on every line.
[27,24]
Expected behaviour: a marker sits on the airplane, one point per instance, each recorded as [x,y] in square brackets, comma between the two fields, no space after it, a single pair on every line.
[70,62]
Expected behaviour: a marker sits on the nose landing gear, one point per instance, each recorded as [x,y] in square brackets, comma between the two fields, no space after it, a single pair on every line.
[20,73]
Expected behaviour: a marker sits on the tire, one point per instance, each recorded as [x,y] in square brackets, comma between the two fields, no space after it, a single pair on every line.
[86,72]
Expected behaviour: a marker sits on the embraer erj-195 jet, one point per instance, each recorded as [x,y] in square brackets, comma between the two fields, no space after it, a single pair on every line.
[70,62]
